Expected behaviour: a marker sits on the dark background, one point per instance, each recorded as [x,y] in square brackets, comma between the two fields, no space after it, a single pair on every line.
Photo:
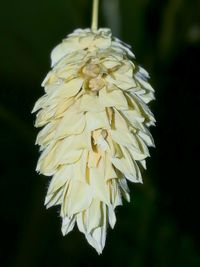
[160,227]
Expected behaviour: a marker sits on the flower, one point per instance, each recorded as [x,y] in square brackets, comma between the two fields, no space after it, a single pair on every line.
[95,133]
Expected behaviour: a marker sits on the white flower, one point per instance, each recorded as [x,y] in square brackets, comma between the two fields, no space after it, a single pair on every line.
[95,133]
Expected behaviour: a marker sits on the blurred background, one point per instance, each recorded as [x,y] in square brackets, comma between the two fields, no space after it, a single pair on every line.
[160,227]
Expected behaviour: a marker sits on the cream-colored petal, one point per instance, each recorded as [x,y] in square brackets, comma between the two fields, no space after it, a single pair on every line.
[115,193]
[68,224]
[109,168]
[124,138]
[111,216]
[97,237]
[112,99]
[128,167]
[46,134]
[71,124]
[59,179]
[77,199]
[98,183]
[124,188]
[97,120]
[61,50]
[90,103]
[54,198]
[94,215]
[67,90]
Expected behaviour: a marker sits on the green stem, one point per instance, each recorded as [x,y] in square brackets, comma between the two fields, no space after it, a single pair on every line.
[95,11]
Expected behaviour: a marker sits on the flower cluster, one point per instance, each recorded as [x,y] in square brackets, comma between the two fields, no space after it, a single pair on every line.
[95,133]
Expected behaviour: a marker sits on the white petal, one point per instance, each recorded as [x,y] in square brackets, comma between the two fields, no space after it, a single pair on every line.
[77,199]
[68,225]
[113,99]
[97,120]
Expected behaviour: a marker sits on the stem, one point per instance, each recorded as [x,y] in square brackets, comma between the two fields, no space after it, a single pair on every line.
[95,11]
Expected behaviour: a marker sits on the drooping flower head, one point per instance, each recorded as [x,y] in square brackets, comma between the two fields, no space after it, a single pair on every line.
[95,133]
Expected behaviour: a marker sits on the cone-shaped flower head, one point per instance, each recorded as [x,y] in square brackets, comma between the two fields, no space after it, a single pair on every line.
[95,134]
